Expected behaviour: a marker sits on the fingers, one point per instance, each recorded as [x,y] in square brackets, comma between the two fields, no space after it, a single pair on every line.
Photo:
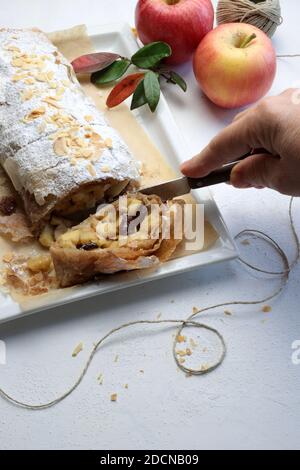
[258,171]
[229,145]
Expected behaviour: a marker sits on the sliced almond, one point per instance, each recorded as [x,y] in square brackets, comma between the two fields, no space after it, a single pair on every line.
[52,101]
[18,62]
[41,77]
[91,169]
[18,77]
[60,91]
[34,114]
[266,309]
[50,75]
[86,153]
[108,143]
[180,339]
[105,169]
[181,352]
[11,47]
[29,81]
[60,146]
[95,137]
[77,350]
[27,94]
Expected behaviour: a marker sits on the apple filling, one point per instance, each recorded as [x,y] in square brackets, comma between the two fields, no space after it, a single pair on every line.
[88,197]
[134,232]
[75,206]
[140,226]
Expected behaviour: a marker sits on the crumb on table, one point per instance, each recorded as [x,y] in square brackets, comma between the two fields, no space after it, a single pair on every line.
[78,349]
[181,339]
[228,313]
[266,309]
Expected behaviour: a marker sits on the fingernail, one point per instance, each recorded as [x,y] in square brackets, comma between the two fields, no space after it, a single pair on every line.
[182,166]
[185,166]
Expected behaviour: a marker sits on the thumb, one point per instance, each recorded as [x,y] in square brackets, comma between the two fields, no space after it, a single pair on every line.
[258,171]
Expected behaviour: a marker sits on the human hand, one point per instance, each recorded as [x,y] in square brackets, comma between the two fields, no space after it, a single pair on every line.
[272,124]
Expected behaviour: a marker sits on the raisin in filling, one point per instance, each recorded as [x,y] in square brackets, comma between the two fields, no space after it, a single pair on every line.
[8,205]
[88,246]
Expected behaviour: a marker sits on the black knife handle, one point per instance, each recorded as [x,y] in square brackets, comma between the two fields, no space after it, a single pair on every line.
[221,175]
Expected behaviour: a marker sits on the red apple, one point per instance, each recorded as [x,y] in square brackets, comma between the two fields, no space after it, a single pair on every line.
[180,23]
[235,64]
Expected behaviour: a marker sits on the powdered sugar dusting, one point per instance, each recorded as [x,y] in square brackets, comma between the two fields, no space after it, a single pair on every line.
[41,101]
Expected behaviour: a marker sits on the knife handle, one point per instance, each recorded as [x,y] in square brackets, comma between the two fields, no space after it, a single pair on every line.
[221,175]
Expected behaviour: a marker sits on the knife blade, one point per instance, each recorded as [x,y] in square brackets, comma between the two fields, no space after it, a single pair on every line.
[183,185]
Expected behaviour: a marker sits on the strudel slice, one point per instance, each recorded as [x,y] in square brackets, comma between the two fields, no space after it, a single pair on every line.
[55,145]
[135,232]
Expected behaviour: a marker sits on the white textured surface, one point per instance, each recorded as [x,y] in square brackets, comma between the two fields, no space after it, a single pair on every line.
[252,401]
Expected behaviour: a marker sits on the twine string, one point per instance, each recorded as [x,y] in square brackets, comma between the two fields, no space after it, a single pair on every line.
[265,15]
[280,56]
[188,322]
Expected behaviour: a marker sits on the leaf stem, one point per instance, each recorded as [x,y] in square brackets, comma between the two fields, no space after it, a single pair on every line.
[167,77]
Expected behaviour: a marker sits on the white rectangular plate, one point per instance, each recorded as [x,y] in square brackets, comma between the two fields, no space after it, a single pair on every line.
[162,129]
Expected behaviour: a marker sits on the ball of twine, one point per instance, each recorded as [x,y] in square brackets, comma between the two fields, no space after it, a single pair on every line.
[265,15]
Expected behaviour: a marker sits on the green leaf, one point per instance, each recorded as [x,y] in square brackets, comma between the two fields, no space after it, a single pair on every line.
[111,73]
[152,90]
[178,80]
[139,97]
[150,55]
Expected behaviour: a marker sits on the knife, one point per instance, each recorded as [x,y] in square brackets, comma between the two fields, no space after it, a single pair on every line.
[183,185]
